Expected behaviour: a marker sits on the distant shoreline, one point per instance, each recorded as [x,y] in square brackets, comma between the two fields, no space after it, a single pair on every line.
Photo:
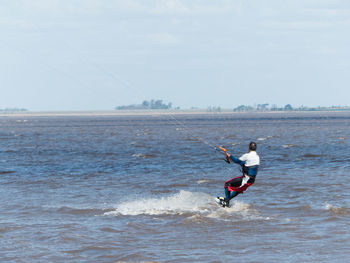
[161,112]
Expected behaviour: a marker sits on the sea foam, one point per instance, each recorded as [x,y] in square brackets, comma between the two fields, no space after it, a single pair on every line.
[183,203]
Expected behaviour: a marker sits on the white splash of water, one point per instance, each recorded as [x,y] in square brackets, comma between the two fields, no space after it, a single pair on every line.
[179,203]
[139,155]
[327,206]
[184,202]
[288,145]
[339,210]
[203,181]
[264,138]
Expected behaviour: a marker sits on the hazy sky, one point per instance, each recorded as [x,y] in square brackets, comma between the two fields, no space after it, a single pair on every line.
[98,54]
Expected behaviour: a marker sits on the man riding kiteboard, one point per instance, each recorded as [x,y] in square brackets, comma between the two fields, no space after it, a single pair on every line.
[250,164]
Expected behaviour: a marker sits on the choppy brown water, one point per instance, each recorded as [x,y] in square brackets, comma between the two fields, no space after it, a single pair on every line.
[107,189]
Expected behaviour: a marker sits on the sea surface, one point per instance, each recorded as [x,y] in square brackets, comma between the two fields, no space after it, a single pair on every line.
[142,188]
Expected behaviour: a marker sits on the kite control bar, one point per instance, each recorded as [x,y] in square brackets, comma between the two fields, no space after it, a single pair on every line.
[226,154]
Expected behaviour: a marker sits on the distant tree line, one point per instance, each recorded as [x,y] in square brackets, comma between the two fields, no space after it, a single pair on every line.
[287,107]
[214,109]
[147,105]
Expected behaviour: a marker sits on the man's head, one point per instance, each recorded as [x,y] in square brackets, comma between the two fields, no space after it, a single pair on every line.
[252,146]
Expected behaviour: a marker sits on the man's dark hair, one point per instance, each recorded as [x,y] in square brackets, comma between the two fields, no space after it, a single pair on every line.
[252,146]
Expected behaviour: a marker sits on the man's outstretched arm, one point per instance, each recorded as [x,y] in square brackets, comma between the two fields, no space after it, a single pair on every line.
[234,159]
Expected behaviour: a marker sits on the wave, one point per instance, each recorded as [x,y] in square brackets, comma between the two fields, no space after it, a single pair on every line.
[7,172]
[187,204]
[144,156]
[288,145]
[203,181]
[336,210]
[264,138]
[80,211]
[310,155]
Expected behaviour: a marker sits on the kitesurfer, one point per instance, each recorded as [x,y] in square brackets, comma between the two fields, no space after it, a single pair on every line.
[250,164]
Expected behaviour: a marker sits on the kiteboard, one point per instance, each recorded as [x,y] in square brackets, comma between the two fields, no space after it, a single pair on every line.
[221,201]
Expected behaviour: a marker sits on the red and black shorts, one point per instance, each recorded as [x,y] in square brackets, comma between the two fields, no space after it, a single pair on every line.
[235,184]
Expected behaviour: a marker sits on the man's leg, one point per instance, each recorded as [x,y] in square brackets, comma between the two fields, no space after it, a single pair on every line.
[233,194]
[229,195]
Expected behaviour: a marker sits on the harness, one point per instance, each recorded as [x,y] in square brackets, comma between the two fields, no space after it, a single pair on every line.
[250,171]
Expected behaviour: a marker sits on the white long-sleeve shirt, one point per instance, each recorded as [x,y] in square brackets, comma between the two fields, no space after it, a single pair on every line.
[250,159]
